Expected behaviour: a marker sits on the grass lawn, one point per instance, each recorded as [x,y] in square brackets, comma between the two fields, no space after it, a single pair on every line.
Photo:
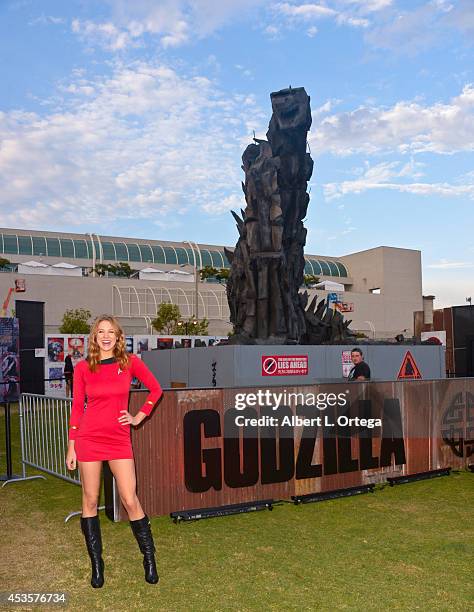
[409,547]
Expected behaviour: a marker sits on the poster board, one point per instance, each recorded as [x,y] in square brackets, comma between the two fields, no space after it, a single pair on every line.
[9,359]
[347,364]
[57,347]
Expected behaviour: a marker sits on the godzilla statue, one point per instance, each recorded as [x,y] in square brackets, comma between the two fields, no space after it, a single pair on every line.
[267,264]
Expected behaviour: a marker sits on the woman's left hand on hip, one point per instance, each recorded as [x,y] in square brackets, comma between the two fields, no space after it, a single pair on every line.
[127,418]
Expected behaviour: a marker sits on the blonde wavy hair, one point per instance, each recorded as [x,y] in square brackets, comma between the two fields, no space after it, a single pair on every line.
[120,351]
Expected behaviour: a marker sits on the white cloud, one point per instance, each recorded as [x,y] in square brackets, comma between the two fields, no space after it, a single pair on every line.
[408,126]
[424,26]
[401,28]
[412,169]
[343,12]
[444,264]
[406,32]
[225,204]
[105,34]
[172,22]
[357,22]
[460,15]
[443,5]
[369,6]
[178,36]
[305,11]
[384,175]
[324,108]
[246,72]
[177,22]
[47,20]
[310,12]
[272,31]
[144,142]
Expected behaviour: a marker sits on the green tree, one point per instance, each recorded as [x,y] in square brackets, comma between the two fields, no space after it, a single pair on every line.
[220,274]
[4,263]
[76,321]
[167,318]
[123,269]
[310,279]
[193,327]
[100,269]
[120,269]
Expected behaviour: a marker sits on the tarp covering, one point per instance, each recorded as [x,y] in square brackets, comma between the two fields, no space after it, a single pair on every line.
[59,269]
[172,275]
[328,285]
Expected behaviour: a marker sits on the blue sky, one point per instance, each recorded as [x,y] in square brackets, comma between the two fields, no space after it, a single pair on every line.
[131,118]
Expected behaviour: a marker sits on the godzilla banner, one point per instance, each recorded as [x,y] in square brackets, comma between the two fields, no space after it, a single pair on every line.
[207,448]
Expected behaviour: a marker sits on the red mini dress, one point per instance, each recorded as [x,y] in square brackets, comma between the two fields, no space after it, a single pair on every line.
[95,429]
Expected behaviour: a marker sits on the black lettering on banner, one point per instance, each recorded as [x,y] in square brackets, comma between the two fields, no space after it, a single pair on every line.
[392,434]
[304,462]
[345,433]
[367,460]
[281,467]
[214,371]
[233,475]
[329,442]
[195,457]
[457,425]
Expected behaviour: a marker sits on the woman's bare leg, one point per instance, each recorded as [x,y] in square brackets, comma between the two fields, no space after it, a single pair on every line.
[90,478]
[124,473]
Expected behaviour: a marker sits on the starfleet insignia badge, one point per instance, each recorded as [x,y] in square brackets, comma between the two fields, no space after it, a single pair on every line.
[120,371]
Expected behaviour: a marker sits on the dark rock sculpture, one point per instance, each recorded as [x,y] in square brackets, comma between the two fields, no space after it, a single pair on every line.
[323,324]
[267,264]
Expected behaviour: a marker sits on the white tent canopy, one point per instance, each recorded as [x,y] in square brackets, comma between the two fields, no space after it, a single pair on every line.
[59,269]
[171,275]
[151,274]
[34,264]
[153,270]
[180,276]
[65,269]
[64,264]
[328,285]
[33,267]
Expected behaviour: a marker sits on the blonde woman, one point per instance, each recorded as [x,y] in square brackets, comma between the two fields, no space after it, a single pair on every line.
[101,432]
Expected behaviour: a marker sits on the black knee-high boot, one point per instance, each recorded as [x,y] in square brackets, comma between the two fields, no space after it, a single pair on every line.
[142,531]
[90,527]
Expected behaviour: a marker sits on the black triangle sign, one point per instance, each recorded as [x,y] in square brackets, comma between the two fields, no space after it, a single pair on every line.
[409,369]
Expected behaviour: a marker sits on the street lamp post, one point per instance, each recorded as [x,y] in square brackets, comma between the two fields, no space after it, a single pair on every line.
[372,327]
[196,291]
[194,249]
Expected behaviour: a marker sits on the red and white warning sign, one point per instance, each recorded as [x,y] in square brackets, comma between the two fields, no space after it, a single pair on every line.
[409,369]
[284,365]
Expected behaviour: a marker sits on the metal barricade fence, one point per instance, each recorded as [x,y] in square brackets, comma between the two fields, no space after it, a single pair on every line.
[44,424]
